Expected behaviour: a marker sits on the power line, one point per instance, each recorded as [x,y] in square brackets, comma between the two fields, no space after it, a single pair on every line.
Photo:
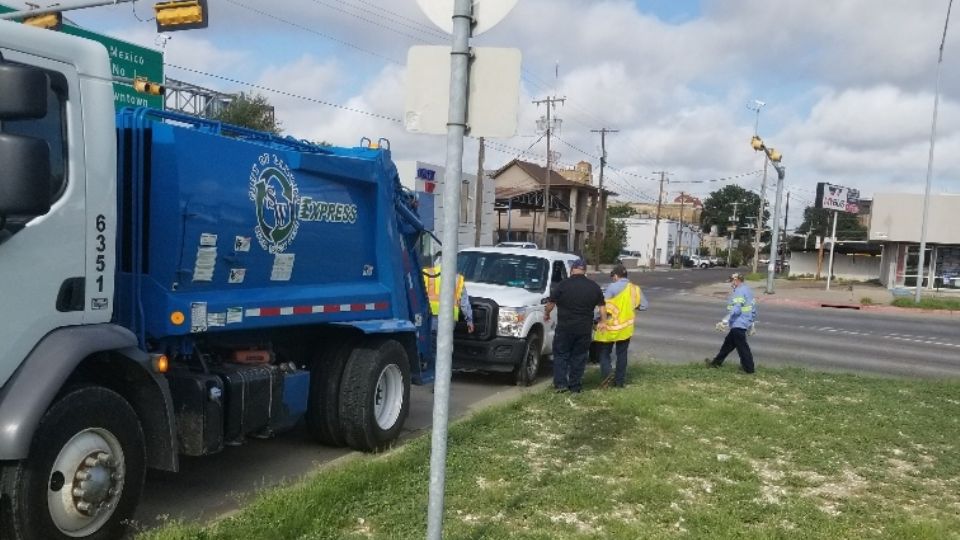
[285,93]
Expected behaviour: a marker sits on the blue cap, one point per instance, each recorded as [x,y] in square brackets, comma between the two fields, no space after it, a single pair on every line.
[578,263]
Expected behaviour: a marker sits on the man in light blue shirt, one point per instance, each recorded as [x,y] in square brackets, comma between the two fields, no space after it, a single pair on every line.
[741,316]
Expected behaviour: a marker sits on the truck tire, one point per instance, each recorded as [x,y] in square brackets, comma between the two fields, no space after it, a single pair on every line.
[526,372]
[323,405]
[375,395]
[84,475]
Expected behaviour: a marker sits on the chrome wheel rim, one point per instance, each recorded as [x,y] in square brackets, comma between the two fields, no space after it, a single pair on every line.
[388,397]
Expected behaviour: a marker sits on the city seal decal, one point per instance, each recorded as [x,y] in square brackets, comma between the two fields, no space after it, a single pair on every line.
[274,193]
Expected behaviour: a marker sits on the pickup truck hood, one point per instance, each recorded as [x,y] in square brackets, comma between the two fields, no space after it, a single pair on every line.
[503,295]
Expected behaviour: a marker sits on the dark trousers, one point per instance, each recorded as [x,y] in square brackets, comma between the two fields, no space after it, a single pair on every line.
[606,349]
[570,352]
[736,339]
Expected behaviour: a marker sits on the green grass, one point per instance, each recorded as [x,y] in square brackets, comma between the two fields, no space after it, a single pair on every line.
[682,452]
[755,276]
[929,302]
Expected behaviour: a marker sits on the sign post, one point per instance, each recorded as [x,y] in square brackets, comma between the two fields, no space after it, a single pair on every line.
[839,199]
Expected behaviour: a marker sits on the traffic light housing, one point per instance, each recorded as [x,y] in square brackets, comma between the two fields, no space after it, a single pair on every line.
[756,143]
[50,21]
[181,15]
[774,155]
[144,86]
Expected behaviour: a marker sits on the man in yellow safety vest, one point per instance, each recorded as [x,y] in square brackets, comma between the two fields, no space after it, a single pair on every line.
[622,300]
[431,280]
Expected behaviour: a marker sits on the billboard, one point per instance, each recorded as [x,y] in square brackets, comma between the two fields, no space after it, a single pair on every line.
[837,198]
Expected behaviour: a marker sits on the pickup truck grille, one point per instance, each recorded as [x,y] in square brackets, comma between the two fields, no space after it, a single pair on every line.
[484,320]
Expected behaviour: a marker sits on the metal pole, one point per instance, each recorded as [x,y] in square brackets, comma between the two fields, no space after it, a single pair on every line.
[453,175]
[600,225]
[933,140]
[680,232]
[775,233]
[477,214]
[546,187]
[656,227]
[60,7]
[763,205]
[833,244]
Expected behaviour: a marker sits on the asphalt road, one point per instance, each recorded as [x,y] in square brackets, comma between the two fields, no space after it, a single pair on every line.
[677,328]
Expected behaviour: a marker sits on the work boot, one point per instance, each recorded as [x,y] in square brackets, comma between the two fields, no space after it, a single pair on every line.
[710,363]
[606,381]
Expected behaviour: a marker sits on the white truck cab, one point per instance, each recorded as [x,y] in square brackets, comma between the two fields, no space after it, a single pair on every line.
[508,289]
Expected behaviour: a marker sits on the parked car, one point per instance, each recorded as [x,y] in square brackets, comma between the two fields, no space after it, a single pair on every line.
[683,261]
[524,245]
[508,290]
[699,262]
[716,261]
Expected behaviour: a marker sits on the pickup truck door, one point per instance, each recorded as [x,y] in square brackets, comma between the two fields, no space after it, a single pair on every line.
[558,273]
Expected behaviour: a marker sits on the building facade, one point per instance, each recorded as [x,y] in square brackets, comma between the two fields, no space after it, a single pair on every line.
[895,223]
[574,204]
[426,181]
[671,238]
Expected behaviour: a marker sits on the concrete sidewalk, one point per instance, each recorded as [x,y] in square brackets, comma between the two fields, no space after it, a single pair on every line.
[813,294]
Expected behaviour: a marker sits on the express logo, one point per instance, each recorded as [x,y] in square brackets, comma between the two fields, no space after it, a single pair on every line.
[274,192]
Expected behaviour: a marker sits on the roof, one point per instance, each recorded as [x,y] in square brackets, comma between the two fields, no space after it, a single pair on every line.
[539,174]
[523,198]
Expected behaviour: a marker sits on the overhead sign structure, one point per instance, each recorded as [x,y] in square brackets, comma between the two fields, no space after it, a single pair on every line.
[126,60]
[494,94]
[486,13]
[837,198]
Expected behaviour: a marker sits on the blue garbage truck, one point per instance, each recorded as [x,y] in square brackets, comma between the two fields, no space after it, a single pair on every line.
[171,285]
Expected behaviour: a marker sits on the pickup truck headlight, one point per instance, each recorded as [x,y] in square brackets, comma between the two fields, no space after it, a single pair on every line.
[510,322]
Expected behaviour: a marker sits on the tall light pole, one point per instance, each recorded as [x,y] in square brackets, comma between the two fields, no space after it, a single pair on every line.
[774,157]
[757,105]
[933,140]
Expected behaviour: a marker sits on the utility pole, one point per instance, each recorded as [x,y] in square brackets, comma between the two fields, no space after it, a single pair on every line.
[550,102]
[479,210]
[786,220]
[763,205]
[680,231]
[599,225]
[757,105]
[656,228]
[732,228]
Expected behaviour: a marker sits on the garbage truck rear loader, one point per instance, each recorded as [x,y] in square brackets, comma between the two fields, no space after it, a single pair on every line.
[170,286]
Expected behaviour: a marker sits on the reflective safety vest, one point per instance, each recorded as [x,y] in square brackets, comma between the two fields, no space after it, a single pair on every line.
[620,315]
[431,279]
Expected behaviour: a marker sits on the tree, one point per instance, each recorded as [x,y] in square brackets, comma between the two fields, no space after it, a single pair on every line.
[819,222]
[620,211]
[718,210]
[614,239]
[250,111]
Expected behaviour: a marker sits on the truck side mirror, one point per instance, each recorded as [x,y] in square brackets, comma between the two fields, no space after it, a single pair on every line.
[23,92]
[25,183]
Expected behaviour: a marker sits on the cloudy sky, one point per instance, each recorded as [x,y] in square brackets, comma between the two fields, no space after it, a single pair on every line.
[848,84]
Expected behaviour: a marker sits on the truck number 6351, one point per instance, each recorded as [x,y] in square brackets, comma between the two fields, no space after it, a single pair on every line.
[101,247]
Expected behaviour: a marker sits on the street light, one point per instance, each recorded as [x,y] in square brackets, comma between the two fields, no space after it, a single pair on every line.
[774,158]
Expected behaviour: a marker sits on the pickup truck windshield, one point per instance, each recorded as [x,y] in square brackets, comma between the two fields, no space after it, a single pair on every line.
[520,271]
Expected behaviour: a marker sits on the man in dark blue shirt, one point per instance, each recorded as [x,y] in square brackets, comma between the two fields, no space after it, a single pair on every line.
[575,298]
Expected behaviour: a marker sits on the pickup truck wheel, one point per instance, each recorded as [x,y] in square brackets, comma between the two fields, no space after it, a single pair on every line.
[526,372]
[704,265]
[84,475]
[375,395]
[323,404]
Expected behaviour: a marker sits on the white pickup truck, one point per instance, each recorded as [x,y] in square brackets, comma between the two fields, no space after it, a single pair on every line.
[508,290]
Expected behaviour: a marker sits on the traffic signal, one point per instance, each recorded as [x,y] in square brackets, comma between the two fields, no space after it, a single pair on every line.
[774,155]
[756,143]
[50,21]
[146,87]
[181,15]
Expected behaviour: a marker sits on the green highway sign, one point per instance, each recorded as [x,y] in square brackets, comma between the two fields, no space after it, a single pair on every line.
[126,60]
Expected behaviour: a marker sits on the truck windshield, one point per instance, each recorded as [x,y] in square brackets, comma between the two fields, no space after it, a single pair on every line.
[520,271]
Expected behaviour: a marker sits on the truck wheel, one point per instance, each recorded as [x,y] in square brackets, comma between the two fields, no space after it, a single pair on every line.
[526,372]
[375,395]
[84,475]
[323,405]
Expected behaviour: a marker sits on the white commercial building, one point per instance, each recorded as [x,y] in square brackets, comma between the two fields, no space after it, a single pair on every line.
[640,233]
[426,180]
[895,222]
